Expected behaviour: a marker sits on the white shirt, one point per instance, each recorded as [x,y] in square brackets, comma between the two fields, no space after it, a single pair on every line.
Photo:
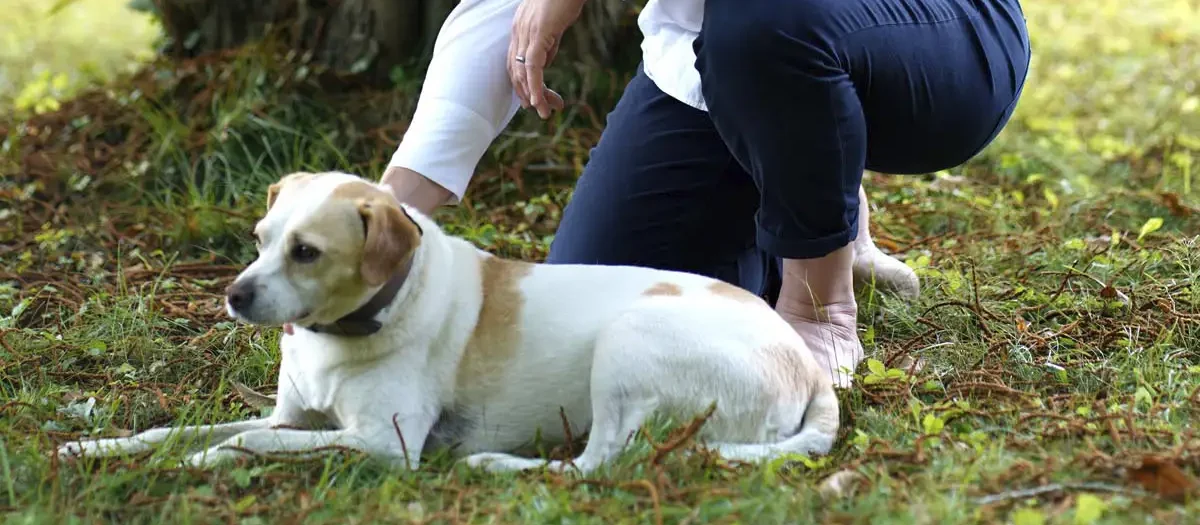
[467,98]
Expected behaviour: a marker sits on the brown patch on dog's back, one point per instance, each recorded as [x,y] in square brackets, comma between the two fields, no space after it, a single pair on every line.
[496,335]
[729,291]
[391,234]
[664,288]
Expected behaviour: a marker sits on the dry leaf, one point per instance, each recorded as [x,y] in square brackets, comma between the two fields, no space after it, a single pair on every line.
[909,365]
[1175,205]
[1163,477]
[253,398]
[840,484]
[162,400]
[887,244]
[130,271]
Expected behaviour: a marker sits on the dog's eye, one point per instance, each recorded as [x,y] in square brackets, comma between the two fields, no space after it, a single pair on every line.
[304,253]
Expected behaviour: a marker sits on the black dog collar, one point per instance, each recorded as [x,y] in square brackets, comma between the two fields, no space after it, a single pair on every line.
[362,322]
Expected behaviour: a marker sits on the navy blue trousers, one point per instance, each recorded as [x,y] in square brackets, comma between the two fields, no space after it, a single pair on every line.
[802,95]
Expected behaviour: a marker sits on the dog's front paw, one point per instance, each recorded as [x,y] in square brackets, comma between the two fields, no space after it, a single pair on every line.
[71,450]
[482,459]
[499,462]
[102,447]
[209,458]
[89,448]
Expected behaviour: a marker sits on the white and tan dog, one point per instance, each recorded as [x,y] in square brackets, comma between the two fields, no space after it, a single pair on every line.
[411,340]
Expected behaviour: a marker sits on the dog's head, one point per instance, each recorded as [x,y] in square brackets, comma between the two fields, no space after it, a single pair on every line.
[327,243]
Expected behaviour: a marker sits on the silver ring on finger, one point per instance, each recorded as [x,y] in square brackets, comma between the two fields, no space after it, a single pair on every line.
[519,59]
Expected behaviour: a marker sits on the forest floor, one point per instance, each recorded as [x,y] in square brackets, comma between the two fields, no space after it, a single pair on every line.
[1049,373]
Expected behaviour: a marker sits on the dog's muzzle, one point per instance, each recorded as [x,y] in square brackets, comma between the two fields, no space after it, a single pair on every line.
[240,296]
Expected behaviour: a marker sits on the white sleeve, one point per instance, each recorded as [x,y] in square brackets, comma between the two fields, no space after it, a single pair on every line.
[467,98]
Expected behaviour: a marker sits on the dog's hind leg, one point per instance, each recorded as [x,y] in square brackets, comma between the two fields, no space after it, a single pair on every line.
[614,420]
[818,431]
[656,358]
[621,402]
[147,440]
[617,417]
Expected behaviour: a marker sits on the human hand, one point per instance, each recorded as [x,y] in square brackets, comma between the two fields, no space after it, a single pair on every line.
[538,28]
[830,332]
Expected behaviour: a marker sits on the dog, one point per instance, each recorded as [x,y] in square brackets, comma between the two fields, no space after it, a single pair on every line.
[409,340]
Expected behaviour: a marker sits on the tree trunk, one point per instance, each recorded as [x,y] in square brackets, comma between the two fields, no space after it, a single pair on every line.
[366,39]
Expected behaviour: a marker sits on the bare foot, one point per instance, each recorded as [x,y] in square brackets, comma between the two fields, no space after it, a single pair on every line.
[887,273]
[832,337]
[873,266]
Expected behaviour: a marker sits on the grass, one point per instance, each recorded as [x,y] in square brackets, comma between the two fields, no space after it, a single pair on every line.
[52,48]
[1055,348]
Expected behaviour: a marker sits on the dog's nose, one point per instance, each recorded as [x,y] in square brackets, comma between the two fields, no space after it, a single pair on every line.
[240,295]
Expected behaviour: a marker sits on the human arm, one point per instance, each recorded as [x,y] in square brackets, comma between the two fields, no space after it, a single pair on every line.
[466,101]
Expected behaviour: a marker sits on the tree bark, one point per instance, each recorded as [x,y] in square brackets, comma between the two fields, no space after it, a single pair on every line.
[365,39]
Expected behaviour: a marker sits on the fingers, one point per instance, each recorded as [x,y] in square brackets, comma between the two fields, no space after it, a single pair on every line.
[535,62]
[509,66]
[537,53]
[517,45]
[553,99]
[530,50]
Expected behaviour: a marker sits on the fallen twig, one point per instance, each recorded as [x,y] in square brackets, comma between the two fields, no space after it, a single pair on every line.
[568,437]
[1055,487]
[672,444]
[253,398]
[403,445]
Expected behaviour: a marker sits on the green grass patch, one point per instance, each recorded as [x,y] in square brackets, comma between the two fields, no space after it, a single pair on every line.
[50,49]
[1056,344]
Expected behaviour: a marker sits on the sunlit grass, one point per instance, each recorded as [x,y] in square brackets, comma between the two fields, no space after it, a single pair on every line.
[1058,332]
[48,52]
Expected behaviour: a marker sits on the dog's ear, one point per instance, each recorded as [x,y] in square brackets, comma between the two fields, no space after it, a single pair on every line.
[391,238]
[409,218]
[298,178]
[273,193]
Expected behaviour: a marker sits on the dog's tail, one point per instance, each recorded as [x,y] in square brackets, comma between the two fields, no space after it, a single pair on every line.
[818,431]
